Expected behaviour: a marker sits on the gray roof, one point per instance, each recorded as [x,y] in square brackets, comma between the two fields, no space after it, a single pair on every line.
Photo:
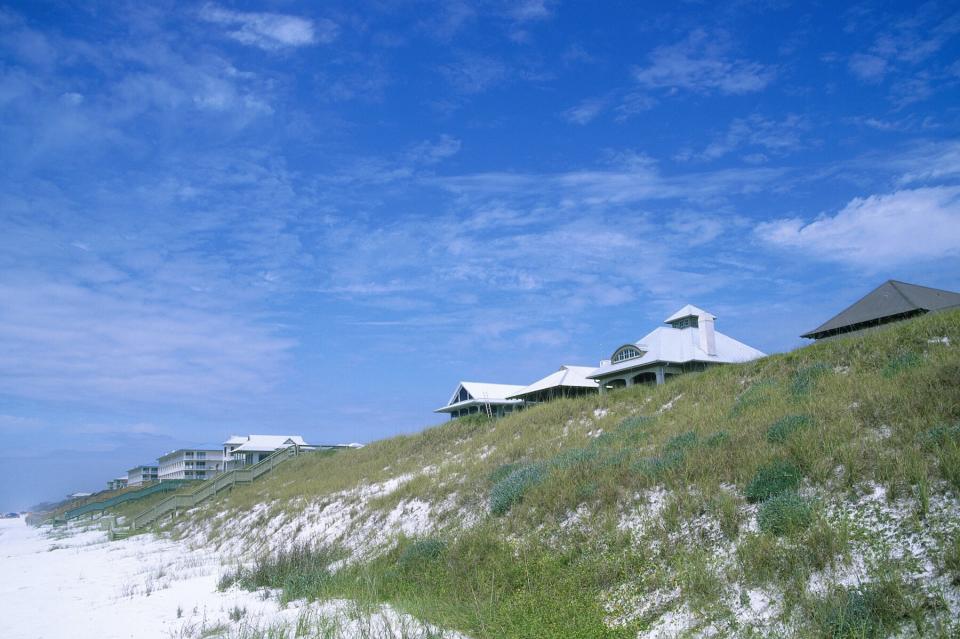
[890,299]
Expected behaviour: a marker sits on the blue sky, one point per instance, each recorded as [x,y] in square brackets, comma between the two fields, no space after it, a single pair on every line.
[316,218]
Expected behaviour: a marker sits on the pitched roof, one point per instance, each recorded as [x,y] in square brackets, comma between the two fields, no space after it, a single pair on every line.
[688,311]
[680,345]
[482,393]
[890,299]
[570,376]
[269,443]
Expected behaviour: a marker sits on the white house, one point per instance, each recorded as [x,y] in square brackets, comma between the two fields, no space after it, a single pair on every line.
[191,463]
[245,450]
[688,343]
[472,398]
[117,484]
[142,474]
[569,381]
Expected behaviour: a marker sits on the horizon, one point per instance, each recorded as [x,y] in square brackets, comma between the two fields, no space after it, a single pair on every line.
[281,218]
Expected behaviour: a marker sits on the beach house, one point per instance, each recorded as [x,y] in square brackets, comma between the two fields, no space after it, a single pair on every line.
[142,474]
[890,302]
[568,381]
[191,463]
[245,450]
[117,484]
[474,398]
[689,342]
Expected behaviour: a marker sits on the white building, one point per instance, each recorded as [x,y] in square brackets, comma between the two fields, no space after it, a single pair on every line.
[142,474]
[688,343]
[117,484]
[191,463]
[472,398]
[245,450]
[569,381]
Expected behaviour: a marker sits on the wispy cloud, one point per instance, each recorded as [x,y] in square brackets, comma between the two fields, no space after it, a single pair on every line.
[702,63]
[585,111]
[271,31]
[474,73]
[755,133]
[528,10]
[901,44]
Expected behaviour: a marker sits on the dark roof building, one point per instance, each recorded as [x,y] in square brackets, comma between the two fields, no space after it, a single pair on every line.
[892,301]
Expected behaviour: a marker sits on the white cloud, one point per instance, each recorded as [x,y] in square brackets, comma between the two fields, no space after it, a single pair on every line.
[879,231]
[271,31]
[586,111]
[528,10]
[700,64]
[14,423]
[868,67]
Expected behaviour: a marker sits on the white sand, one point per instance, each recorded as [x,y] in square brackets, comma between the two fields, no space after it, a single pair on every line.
[81,585]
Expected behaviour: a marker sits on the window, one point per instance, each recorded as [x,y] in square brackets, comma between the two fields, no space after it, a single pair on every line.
[625,353]
[686,322]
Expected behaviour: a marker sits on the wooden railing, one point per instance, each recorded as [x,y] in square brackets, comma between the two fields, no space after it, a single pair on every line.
[160,487]
[211,487]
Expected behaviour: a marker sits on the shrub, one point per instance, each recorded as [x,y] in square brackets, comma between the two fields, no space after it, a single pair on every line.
[871,610]
[421,552]
[805,378]
[510,490]
[781,430]
[777,477]
[785,514]
[656,466]
[900,363]
[941,435]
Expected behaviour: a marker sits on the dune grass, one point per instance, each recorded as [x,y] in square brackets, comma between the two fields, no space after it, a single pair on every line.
[880,409]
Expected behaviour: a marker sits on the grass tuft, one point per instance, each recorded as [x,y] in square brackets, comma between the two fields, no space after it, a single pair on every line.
[779,476]
[805,379]
[756,394]
[943,435]
[781,430]
[420,552]
[868,611]
[901,363]
[785,514]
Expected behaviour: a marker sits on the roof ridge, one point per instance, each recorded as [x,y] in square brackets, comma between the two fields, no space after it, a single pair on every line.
[893,284]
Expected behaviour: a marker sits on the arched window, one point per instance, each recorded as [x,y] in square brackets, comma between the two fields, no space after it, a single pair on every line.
[625,353]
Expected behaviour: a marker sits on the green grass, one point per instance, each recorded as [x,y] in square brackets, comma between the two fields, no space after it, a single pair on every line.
[882,408]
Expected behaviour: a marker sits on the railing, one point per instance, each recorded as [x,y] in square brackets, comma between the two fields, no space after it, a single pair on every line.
[161,487]
[213,486]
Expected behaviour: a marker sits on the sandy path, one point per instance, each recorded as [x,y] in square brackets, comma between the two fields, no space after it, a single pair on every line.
[80,585]
[83,586]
